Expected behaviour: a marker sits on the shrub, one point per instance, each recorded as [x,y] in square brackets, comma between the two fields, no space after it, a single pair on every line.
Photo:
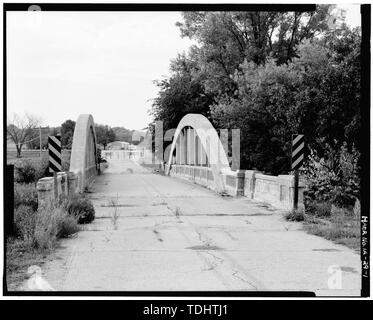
[53,223]
[334,177]
[46,230]
[318,209]
[25,171]
[295,215]
[42,168]
[82,208]
[67,225]
[25,194]
[28,171]
[25,221]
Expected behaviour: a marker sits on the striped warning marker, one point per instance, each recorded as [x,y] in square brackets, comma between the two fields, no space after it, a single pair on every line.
[297,154]
[54,146]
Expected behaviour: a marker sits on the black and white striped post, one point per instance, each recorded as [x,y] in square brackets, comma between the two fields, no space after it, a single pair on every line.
[54,147]
[297,157]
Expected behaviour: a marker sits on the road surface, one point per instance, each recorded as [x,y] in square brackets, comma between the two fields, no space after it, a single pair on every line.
[173,235]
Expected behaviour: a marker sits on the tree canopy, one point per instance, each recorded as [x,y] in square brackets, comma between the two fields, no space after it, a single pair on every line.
[21,130]
[104,134]
[270,74]
[67,134]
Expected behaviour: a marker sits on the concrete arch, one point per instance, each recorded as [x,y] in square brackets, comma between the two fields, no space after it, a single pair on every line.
[83,161]
[210,144]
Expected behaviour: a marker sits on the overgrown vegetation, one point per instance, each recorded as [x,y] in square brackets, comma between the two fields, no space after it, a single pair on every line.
[341,225]
[37,230]
[30,171]
[115,215]
[295,215]
[26,195]
[41,228]
[331,199]
[36,235]
[334,177]
[81,207]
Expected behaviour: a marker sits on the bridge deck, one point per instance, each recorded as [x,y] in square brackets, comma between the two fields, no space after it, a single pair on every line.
[175,235]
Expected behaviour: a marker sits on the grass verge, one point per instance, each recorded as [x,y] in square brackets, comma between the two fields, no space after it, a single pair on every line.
[36,236]
[339,225]
[19,257]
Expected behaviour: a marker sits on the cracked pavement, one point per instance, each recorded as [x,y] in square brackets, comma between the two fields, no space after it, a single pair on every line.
[173,235]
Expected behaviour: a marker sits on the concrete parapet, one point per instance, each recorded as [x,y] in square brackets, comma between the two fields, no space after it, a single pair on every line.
[234,181]
[249,184]
[50,189]
[63,184]
[275,190]
[198,174]
[45,189]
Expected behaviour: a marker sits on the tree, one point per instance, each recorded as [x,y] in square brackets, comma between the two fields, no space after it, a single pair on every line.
[317,94]
[180,94]
[227,39]
[270,74]
[104,134]
[21,129]
[122,134]
[67,133]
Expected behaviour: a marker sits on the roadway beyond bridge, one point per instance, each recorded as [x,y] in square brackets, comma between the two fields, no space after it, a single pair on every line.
[174,235]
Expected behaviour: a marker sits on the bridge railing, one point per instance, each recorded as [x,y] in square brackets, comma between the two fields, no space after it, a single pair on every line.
[275,190]
[201,158]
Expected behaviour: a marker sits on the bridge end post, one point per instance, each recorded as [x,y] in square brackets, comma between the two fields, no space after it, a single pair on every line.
[45,189]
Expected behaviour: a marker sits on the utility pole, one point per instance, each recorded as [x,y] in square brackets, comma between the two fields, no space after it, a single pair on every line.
[40,140]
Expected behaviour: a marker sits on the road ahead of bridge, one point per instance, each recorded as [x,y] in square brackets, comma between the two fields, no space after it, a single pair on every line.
[175,235]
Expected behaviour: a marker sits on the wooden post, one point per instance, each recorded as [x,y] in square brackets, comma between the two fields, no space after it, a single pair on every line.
[55,185]
[296,186]
[297,156]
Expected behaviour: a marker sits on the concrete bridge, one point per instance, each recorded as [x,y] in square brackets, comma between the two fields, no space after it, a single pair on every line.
[196,226]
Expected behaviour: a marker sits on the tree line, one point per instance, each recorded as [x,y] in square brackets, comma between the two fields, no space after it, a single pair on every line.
[24,131]
[104,134]
[270,74]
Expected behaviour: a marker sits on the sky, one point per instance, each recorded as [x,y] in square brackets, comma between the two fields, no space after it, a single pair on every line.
[62,64]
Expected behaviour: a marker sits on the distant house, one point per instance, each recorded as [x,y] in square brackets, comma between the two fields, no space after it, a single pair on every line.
[118,145]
